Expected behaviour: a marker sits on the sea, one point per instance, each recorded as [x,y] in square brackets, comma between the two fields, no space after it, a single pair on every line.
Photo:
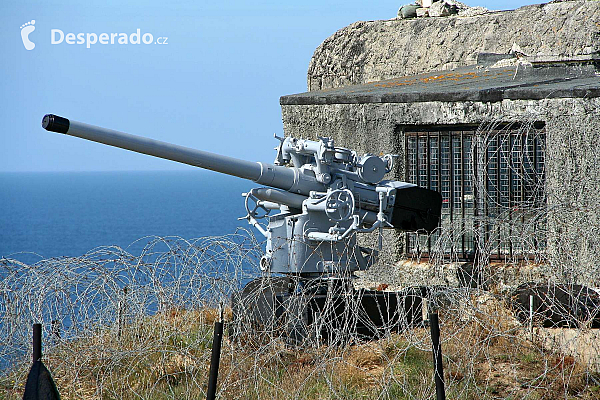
[68,214]
[55,214]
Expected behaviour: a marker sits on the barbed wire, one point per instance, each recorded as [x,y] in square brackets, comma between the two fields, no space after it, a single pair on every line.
[139,326]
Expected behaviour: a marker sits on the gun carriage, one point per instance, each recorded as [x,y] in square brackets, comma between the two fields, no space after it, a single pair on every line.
[324,196]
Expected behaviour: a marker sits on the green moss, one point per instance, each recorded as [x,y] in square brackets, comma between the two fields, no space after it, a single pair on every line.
[530,357]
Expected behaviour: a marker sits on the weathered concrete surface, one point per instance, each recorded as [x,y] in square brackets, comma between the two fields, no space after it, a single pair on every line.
[583,344]
[378,50]
[379,57]
[503,277]
[573,190]
[479,83]
[572,159]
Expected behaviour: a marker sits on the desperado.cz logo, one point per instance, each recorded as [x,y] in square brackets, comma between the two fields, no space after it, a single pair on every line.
[26,29]
[57,36]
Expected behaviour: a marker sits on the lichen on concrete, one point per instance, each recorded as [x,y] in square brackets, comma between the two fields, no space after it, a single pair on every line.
[572,159]
[559,41]
[369,51]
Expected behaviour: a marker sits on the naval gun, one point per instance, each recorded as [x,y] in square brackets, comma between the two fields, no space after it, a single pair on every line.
[323,196]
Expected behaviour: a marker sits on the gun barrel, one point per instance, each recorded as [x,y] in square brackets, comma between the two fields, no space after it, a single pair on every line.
[263,173]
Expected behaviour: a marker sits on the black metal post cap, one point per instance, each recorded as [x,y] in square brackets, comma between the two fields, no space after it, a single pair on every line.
[54,123]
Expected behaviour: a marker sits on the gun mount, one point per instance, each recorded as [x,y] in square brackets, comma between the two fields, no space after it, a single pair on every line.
[325,196]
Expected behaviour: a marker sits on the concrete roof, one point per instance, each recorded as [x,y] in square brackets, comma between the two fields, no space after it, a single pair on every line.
[476,83]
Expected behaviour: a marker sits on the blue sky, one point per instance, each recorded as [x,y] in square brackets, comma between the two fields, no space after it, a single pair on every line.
[215,85]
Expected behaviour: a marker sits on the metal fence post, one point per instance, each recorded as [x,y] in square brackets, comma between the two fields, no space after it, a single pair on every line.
[37,342]
[215,356]
[437,356]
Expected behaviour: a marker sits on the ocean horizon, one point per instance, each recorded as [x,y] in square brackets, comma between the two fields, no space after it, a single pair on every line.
[55,214]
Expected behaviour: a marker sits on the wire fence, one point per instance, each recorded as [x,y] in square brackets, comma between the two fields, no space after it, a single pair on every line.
[139,326]
[122,326]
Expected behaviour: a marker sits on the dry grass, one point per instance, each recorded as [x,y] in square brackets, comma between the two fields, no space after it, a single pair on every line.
[167,356]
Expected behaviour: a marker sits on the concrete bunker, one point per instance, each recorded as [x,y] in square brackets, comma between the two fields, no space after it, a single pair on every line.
[504,123]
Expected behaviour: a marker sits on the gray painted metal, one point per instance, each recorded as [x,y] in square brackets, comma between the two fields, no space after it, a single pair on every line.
[263,173]
[328,194]
[198,158]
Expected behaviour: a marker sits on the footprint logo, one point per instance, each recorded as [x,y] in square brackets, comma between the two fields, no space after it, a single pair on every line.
[26,29]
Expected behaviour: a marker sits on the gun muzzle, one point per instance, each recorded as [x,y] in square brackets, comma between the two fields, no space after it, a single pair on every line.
[54,123]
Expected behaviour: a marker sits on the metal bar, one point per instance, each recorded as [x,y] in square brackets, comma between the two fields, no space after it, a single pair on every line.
[438,365]
[531,317]
[268,174]
[407,159]
[542,164]
[451,194]
[406,175]
[439,164]
[462,192]
[487,193]
[439,169]
[535,160]
[215,358]
[37,342]
[524,150]
[509,169]
[475,164]
[535,183]
[498,188]
[428,156]
[417,159]
[418,173]
[198,158]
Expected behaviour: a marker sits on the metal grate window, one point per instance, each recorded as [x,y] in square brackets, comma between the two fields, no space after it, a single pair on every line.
[492,186]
